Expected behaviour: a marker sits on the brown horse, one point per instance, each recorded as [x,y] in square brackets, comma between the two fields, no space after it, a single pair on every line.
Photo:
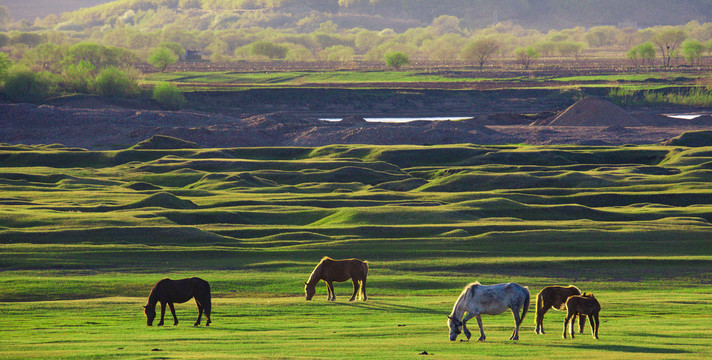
[331,270]
[585,304]
[169,291]
[555,297]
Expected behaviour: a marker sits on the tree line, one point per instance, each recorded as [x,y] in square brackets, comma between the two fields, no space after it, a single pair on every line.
[445,39]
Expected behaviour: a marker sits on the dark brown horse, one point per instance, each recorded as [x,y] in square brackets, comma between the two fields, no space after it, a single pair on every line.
[554,297]
[581,305]
[169,291]
[331,270]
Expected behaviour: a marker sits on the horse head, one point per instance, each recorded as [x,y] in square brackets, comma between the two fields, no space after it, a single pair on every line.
[309,290]
[150,314]
[455,327]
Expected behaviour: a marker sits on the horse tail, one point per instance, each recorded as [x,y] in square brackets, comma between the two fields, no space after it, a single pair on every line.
[365,268]
[525,308]
[539,305]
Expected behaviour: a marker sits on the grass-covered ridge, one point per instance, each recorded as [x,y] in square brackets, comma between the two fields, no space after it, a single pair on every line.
[85,234]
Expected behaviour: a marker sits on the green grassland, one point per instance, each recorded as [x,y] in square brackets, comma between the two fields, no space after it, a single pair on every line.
[85,234]
[641,81]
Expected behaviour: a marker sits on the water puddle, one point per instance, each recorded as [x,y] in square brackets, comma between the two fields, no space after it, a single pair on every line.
[407,119]
[684,116]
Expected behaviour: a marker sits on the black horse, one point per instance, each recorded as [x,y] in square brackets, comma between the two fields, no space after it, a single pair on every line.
[168,291]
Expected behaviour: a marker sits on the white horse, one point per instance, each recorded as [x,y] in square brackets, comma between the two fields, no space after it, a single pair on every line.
[478,299]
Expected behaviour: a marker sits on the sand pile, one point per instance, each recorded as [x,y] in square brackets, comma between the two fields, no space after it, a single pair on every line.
[593,111]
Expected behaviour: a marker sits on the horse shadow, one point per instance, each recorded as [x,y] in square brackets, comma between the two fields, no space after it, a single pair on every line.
[626,349]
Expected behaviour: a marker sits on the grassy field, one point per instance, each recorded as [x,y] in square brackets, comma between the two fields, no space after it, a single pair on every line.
[645,80]
[85,234]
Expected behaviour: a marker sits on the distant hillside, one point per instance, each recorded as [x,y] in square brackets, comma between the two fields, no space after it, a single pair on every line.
[32,9]
[401,14]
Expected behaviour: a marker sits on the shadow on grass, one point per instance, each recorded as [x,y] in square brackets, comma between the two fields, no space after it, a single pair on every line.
[627,349]
[391,307]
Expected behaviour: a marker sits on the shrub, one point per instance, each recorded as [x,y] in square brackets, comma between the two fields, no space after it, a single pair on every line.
[525,55]
[78,77]
[114,82]
[168,96]
[397,59]
[268,49]
[24,85]
[4,64]
[162,57]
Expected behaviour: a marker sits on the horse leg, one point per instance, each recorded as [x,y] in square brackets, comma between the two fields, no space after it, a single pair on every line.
[207,306]
[353,296]
[330,290]
[515,334]
[482,331]
[163,313]
[464,325]
[363,289]
[591,319]
[200,312]
[540,319]
[173,311]
[566,323]
[582,323]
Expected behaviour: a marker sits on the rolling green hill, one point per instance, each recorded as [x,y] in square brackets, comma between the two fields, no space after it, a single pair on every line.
[84,235]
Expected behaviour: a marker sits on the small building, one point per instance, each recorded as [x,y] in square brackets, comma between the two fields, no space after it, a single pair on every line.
[192,55]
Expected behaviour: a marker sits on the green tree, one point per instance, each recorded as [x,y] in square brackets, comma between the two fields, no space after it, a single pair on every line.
[4,40]
[5,18]
[338,53]
[77,78]
[161,58]
[268,49]
[397,59]
[28,38]
[114,82]
[44,57]
[98,55]
[692,50]
[168,96]
[189,4]
[175,47]
[569,48]
[525,56]
[633,55]
[25,85]
[646,52]
[481,50]
[668,40]
[5,64]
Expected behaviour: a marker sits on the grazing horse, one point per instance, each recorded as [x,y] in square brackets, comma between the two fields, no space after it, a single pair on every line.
[331,270]
[169,291]
[555,297]
[585,304]
[478,299]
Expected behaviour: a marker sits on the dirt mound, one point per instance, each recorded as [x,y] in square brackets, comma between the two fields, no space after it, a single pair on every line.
[274,119]
[593,111]
[692,139]
[164,142]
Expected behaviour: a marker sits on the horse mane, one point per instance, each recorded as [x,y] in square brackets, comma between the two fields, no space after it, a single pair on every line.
[316,273]
[153,296]
[465,295]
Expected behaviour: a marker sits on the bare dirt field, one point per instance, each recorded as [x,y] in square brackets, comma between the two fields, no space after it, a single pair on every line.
[291,117]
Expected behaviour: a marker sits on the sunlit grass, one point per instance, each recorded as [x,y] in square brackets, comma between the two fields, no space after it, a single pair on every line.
[81,248]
